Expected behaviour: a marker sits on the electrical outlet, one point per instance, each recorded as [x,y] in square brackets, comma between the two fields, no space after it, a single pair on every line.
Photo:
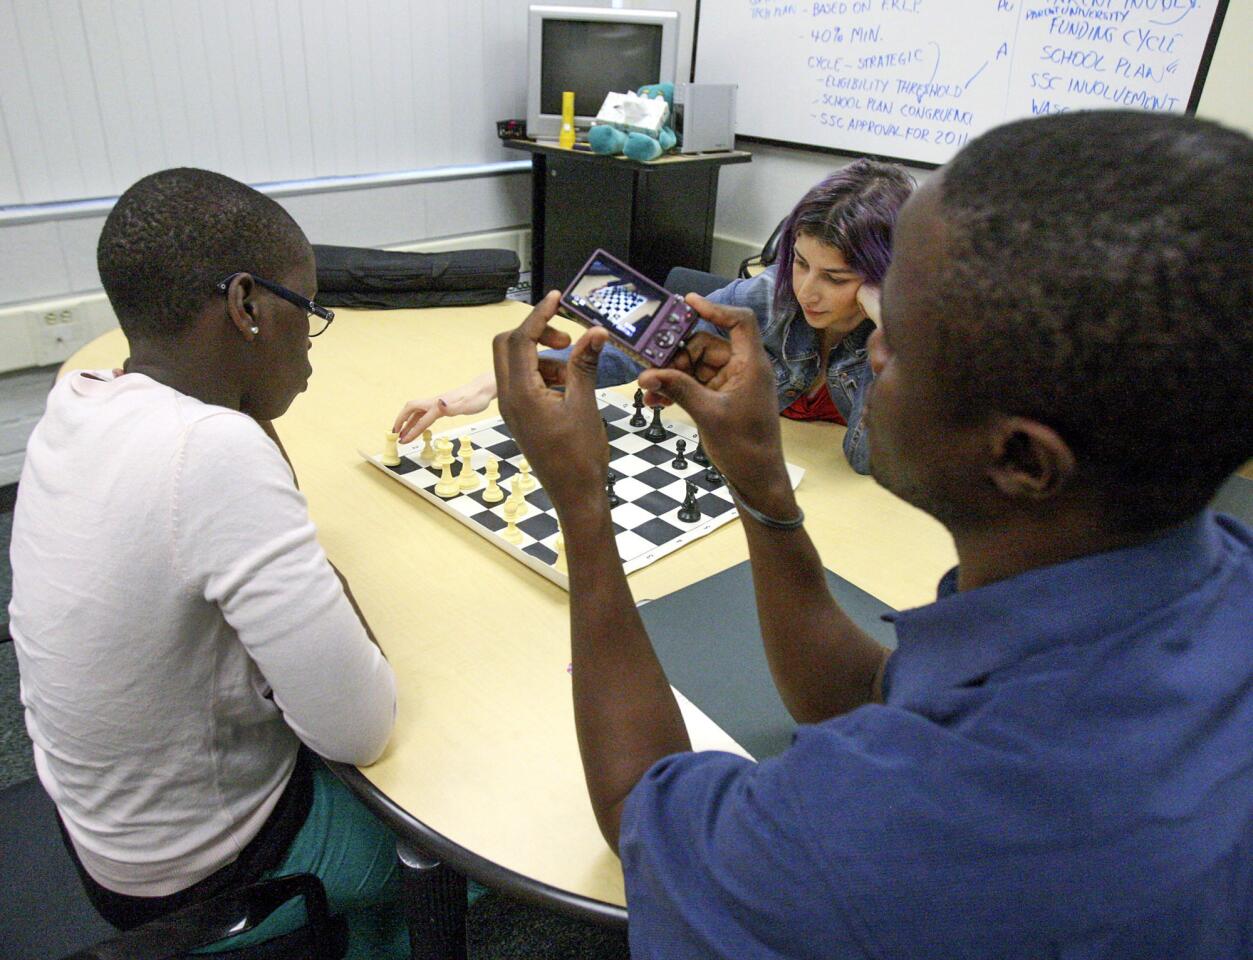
[57,332]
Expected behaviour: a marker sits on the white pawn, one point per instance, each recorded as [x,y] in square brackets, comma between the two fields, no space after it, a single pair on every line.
[511,531]
[447,486]
[391,455]
[560,546]
[493,493]
[428,451]
[515,497]
[468,480]
[525,479]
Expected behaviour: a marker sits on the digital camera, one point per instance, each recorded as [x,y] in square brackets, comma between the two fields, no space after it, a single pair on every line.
[643,320]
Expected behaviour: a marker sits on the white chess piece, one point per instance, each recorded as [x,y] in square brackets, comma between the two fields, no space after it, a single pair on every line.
[447,486]
[511,531]
[493,493]
[428,451]
[525,480]
[560,546]
[515,497]
[390,456]
[468,480]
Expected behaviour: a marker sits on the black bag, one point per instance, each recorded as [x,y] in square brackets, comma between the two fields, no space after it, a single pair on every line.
[389,279]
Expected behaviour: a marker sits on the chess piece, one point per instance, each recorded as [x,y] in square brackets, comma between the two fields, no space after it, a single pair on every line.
[611,476]
[447,486]
[689,512]
[468,480]
[614,499]
[699,455]
[511,531]
[712,476]
[560,546]
[680,462]
[637,420]
[390,457]
[524,479]
[515,497]
[428,451]
[493,493]
[656,430]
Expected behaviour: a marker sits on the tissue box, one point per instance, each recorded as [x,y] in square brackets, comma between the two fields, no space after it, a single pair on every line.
[633,113]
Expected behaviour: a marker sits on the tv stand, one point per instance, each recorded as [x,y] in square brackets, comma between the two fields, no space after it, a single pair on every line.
[653,215]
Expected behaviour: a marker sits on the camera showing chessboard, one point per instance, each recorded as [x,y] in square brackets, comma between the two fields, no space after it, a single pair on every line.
[666,493]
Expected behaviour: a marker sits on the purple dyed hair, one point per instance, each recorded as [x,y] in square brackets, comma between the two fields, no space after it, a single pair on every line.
[853,210]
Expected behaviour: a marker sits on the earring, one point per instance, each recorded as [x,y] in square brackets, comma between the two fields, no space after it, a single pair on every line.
[255,330]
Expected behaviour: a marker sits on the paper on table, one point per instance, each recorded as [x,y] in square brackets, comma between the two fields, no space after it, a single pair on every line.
[703,732]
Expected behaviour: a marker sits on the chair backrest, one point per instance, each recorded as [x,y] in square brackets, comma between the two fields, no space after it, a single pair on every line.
[237,911]
[769,254]
[44,912]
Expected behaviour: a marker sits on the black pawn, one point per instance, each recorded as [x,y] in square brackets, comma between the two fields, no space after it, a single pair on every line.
[614,499]
[638,419]
[713,477]
[689,512]
[699,455]
[679,462]
[611,476]
[656,430]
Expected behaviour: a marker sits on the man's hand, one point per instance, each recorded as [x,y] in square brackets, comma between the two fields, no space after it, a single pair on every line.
[561,433]
[735,409]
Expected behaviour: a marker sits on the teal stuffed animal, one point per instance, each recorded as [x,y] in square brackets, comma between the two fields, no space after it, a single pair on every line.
[610,140]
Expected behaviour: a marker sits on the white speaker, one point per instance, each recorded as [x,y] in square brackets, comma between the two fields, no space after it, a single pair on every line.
[704,116]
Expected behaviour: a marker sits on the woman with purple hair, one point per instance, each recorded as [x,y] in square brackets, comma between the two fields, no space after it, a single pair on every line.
[816,308]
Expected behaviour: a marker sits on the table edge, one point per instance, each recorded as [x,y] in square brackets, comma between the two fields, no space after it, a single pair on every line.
[471,864]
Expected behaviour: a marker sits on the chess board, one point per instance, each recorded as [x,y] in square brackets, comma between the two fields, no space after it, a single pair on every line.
[646,524]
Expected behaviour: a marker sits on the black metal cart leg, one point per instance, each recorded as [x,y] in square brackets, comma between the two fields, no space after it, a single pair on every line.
[435,905]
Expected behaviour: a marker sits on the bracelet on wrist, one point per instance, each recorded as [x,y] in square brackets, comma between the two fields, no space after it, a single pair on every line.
[765,521]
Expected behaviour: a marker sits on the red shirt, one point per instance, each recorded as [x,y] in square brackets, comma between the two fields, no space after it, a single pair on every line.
[819,406]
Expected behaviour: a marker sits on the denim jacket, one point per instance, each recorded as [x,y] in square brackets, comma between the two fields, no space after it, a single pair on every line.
[792,346]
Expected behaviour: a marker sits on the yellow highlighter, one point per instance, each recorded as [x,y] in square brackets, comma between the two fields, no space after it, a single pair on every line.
[566,138]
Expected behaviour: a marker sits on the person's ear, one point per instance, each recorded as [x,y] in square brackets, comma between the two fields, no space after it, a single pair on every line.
[240,305]
[1029,460]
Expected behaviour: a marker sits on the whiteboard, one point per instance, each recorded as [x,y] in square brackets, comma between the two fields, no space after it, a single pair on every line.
[914,80]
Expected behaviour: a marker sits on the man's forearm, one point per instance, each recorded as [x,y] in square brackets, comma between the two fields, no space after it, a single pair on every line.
[822,663]
[625,712]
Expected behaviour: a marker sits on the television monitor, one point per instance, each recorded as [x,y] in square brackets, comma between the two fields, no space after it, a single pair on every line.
[593,51]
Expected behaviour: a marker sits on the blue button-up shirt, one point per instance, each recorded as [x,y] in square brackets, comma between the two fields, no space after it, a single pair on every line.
[1063,768]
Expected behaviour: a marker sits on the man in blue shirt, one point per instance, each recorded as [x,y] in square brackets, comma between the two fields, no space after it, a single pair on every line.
[1057,761]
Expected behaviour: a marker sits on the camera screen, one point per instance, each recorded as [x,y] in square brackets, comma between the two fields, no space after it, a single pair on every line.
[617,300]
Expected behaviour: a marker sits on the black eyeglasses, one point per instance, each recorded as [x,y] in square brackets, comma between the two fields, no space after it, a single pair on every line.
[292,297]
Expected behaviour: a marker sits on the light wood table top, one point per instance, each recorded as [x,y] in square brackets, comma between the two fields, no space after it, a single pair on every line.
[484,750]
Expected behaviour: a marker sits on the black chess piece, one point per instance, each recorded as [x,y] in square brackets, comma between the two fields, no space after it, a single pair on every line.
[699,456]
[656,430]
[679,462]
[638,419]
[611,476]
[712,476]
[614,499]
[689,512]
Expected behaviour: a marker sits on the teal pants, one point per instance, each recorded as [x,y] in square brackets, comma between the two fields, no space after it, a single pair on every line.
[354,855]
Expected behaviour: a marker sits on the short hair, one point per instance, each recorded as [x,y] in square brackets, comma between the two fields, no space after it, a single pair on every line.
[1097,280]
[853,210]
[174,234]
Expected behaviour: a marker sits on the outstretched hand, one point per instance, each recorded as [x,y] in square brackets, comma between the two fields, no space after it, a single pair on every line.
[560,432]
[473,397]
[733,401]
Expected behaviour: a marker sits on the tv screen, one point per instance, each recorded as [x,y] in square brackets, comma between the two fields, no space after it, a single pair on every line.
[596,58]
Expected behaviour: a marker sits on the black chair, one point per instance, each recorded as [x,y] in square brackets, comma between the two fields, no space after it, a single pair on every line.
[769,253]
[46,914]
